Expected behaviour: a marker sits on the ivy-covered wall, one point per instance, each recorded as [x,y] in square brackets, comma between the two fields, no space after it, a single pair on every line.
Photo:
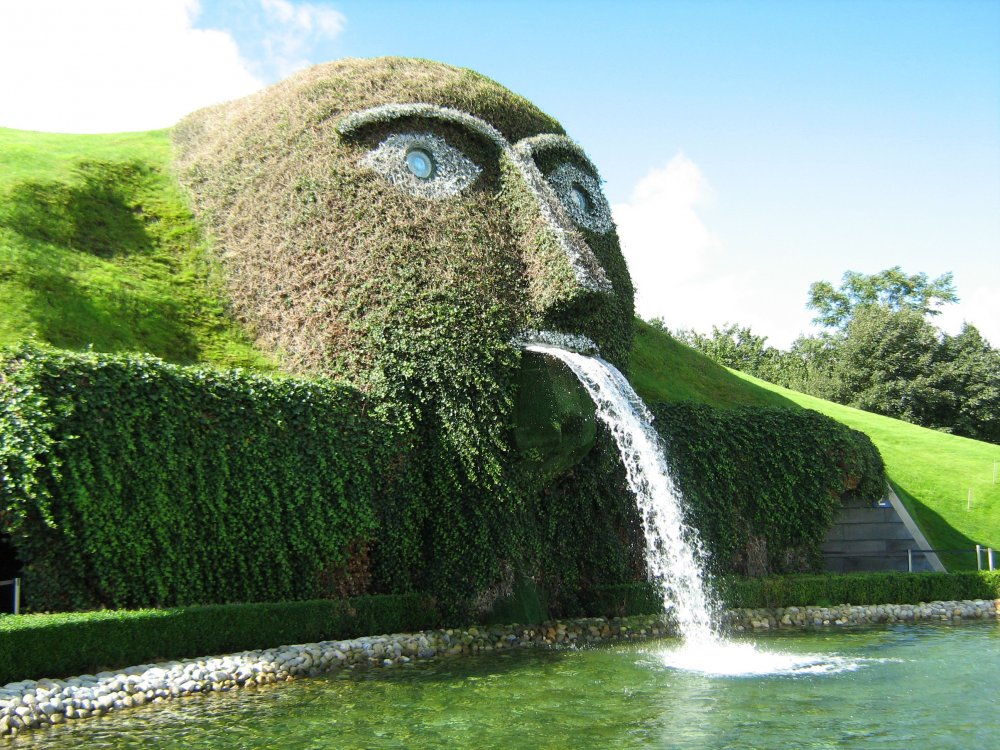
[762,483]
[130,482]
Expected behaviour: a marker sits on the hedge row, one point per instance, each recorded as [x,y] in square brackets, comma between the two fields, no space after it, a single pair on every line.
[127,482]
[643,598]
[60,645]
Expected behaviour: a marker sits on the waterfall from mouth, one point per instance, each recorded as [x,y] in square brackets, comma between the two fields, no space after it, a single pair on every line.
[673,551]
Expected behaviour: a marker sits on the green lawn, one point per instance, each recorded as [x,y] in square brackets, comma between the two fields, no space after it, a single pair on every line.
[932,472]
[663,369]
[98,248]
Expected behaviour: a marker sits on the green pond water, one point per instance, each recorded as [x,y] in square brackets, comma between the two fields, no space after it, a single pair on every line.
[919,686]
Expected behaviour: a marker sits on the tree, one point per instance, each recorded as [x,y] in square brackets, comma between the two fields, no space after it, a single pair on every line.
[891,289]
[893,362]
[809,366]
[733,346]
[974,377]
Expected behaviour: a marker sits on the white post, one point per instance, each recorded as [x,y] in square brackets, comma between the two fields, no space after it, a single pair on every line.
[989,556]
[979,559]
[17,596]
[909,559]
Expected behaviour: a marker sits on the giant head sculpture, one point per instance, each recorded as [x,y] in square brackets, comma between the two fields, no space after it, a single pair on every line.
[405,224]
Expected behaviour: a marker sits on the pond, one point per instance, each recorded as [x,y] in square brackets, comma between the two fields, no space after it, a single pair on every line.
[893,687]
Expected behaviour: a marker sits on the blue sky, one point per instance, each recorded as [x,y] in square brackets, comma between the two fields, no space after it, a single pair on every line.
[749,148]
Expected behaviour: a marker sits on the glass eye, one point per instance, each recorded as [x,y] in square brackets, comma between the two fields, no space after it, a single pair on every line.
[420,163]
[580,198]
[424,165]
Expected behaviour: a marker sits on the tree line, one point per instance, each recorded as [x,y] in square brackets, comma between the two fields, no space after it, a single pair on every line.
[878,350]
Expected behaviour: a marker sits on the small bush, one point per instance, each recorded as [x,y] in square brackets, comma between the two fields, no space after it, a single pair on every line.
[60,645]
[642,598]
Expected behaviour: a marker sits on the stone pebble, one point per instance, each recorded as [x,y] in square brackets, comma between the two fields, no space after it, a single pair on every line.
[30,704]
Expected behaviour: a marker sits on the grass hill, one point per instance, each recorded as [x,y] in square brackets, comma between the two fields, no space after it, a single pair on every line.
[950,484]
[98,248]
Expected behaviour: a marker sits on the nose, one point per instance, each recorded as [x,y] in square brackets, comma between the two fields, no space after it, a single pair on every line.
[562,269]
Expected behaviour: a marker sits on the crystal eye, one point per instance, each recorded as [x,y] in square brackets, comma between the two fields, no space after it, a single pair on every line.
[420,163]
[581,196]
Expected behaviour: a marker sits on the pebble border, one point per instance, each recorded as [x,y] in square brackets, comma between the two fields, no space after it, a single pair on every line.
[31,704]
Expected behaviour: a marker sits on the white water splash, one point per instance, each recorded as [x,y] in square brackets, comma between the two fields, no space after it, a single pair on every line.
[673,552]
[731,659]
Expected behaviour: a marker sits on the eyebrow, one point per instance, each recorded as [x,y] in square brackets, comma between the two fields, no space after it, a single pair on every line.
[537,145]
[386,113]
[531,146]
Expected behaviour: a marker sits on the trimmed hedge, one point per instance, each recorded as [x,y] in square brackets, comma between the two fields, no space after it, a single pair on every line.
[61,645]
[642,598]
[859,589]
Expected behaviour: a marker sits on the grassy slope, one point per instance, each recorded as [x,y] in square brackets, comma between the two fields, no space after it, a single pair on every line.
[663,369]
[98,248]
[931,471]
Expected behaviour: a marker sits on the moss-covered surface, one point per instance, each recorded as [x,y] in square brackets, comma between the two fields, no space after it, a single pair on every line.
[554,418]
[415,300]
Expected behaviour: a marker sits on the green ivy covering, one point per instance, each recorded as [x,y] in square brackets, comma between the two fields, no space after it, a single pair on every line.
[130,482]
[762,484]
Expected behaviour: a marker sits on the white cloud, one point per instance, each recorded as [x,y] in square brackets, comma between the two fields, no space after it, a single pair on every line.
[112,65]
[979,306]
[684,273]
[116,65]
[667,245]
[293,29]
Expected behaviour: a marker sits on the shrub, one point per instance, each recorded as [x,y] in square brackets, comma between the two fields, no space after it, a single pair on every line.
[642,598]
[60,645]
[859,588]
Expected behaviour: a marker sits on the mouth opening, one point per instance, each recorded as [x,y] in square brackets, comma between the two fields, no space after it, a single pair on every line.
[573,342]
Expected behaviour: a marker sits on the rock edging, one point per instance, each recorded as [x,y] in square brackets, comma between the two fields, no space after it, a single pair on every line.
[846,614]
[31,704]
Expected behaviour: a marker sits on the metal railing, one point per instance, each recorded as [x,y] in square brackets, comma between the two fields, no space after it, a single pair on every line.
[16,583]
[981,552]
[979,557]
[911,552]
